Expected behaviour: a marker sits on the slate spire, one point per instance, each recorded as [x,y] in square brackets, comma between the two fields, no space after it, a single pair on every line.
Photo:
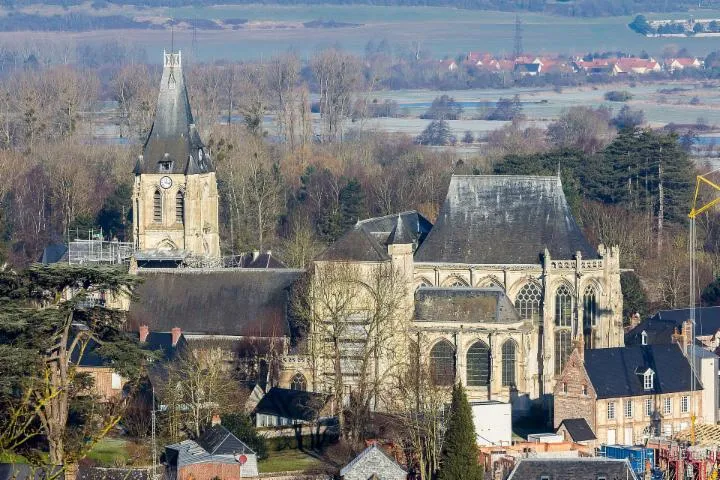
[173,144]
[400,233]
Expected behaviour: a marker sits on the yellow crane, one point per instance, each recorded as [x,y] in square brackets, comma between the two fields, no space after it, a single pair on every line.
[698,207]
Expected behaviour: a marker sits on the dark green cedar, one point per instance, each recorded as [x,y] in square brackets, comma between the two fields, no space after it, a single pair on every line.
[459,460]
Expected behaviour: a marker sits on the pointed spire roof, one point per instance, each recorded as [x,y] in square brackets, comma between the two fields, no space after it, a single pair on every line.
[173,144]
[400,233]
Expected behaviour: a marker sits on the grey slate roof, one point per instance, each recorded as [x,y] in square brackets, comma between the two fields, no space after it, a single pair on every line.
[578,429]
[662,325]
[218,440]
[590,468]
[464,304]
[292,404]
[23,471]
[616,372]
[173,136]
[373,460]
[367,241]
[503,219]
[235,302]
[216,445]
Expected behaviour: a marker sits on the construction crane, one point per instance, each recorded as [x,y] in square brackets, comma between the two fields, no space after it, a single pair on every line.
[698,207]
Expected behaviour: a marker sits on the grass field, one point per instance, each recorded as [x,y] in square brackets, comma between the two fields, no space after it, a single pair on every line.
[287,461]
[440,30]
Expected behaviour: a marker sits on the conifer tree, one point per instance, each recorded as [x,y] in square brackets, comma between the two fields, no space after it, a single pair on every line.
[459,459]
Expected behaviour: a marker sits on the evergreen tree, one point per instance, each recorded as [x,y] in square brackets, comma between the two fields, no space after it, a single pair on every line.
[459,460]
[351,204]
[634,296]
[710,296]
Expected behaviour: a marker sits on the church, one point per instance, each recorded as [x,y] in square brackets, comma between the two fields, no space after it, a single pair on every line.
[499,290]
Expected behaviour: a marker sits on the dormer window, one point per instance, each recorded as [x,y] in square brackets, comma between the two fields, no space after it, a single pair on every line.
[643,337]
[648,379]
[165,166]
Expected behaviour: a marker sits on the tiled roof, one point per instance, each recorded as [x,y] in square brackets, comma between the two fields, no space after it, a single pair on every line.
[661,326]
[218,440]
[235,302]
[617,372]
[578,429]
[572,469]
[292,404]
[463,304]
[503,219]
[367,241]
[377,455]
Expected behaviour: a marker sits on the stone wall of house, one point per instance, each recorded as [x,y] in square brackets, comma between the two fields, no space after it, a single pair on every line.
[374,462]
[197,234]
[574,396]
[226,471]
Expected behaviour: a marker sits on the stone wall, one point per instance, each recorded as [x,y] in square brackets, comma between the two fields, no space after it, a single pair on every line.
[574,396]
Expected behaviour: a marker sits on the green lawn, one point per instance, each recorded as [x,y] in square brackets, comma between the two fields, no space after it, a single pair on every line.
[287,461]
[109,452]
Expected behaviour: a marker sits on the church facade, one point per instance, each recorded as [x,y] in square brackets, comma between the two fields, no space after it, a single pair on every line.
[502,287]
[175,196]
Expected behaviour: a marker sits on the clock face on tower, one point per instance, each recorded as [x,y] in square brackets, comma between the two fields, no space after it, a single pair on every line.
[166,182]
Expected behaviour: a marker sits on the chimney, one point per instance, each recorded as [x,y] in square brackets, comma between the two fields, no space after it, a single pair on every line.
[687,335]
[215,420]
[144,332]
[269,253]
[256,254]
[176,332]
[580,347]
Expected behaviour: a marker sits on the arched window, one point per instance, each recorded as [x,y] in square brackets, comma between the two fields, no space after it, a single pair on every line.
[527,302]
[179,207]
[563,307]
[442,363]
[563,349]
[508,363]
[157,207]
[478,365]
[298,382]
[589,307]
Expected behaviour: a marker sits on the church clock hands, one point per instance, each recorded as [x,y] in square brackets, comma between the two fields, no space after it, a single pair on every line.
[166,182]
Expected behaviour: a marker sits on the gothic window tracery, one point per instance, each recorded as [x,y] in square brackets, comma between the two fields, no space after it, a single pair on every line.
[563,348]
[478,364]
[527,302]
[457,282]
[298,382]
[590,315]
[563,306]
[509,363]
[442,363]
[157,207]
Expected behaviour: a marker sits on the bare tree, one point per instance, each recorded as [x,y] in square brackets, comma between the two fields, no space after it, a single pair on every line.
[337,75]
[136,96]
[357,334]
[282,77]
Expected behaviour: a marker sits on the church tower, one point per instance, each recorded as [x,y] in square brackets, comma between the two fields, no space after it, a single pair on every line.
[175,193]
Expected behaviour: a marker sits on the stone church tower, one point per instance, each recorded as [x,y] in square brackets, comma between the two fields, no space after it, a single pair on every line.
[175,193]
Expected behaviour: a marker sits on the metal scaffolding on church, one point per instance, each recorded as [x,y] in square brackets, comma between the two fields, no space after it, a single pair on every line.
[96,250]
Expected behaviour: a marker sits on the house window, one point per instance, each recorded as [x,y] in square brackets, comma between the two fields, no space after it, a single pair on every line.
[684,404]
[179,207]
[298,382]
[508,363]
[527,302]
[628,408]
[643,337]
[611,410]
[157,207]
[564,387]
[116,381]
[667,406]
[648,379]
[478,365]
[667,430]
[442,363]
[648,407]
[584,390]
[563,349]
[563,307]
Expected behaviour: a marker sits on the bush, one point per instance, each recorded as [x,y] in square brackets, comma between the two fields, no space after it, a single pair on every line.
[618,96]
[506,109]
[443,108]
[437,133]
